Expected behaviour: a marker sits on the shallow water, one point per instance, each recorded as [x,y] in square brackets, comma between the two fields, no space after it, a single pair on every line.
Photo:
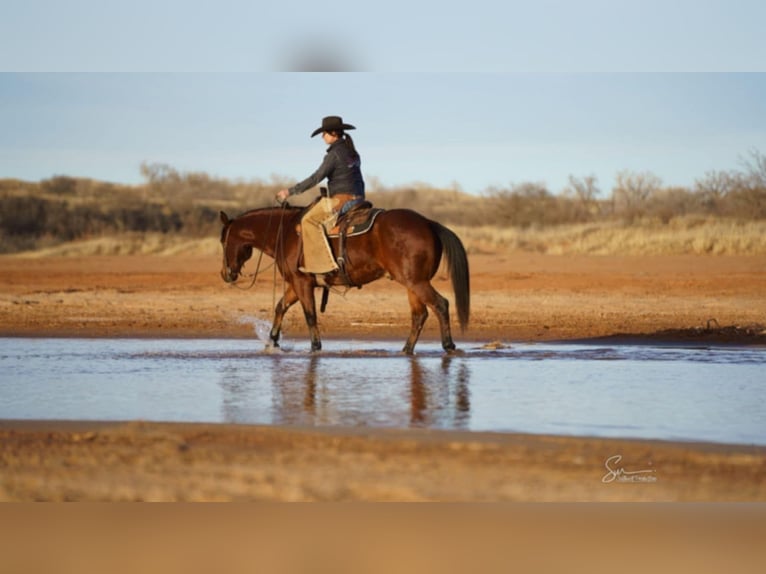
[678,393]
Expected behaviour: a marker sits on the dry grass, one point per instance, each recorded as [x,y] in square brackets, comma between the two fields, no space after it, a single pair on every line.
[690,235]
[131,244]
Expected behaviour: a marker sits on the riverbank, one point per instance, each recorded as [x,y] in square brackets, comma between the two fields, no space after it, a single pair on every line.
[97,461]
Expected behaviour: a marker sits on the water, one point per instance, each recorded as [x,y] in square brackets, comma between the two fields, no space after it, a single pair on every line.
[707,394]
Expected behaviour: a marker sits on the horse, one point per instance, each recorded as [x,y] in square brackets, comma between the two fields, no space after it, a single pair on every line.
[402,245]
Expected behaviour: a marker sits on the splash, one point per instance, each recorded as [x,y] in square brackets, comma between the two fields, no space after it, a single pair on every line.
[261,329]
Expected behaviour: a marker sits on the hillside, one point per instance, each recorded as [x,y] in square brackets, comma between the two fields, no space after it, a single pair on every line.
[724,213]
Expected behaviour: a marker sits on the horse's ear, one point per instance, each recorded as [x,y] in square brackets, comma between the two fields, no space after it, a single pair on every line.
[224,218]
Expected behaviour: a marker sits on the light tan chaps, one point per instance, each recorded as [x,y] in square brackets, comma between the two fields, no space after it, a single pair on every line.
[317,255]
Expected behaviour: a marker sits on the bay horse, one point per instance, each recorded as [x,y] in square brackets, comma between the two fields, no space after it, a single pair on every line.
[402,245]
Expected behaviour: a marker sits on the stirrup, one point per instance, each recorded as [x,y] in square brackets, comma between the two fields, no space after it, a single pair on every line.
[320,277]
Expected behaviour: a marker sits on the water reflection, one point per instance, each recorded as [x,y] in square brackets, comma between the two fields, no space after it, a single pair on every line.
[321,390]
[672,393]
[294,391]
[439,398]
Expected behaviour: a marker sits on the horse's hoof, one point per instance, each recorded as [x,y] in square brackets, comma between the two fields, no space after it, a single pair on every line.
[450,348]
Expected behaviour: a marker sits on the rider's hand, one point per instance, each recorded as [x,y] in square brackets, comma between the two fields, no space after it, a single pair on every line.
[282,195]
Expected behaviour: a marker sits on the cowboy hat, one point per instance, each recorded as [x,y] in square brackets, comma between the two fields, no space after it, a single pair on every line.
[332,124]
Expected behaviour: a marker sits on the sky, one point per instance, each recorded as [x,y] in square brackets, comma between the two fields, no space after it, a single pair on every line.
[395,35]
[488,94]
[467,130]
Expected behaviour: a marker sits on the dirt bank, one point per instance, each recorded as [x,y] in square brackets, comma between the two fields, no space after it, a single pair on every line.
[515,297]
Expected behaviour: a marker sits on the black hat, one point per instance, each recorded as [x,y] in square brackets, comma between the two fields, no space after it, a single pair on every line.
[332,124]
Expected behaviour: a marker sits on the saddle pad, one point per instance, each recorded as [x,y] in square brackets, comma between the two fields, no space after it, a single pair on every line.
[359,221]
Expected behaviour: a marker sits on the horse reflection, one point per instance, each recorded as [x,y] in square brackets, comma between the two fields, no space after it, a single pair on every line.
[283,393]
[294,392]
[442,399]
[321,390]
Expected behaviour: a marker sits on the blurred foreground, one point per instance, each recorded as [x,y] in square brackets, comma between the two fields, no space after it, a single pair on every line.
[54,460]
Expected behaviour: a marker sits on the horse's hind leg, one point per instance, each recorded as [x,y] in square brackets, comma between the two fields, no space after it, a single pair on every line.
[440,306]
[287,301]
[419,315]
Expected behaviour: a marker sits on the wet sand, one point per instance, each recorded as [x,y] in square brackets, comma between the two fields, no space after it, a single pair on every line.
[515,297]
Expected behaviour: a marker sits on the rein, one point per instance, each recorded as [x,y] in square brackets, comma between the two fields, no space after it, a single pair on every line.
[277,249]
[253,275]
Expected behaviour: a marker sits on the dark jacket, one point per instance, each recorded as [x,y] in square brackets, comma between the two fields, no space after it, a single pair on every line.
[341,168]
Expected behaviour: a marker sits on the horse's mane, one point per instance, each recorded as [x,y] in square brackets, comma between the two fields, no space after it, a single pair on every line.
[292,208]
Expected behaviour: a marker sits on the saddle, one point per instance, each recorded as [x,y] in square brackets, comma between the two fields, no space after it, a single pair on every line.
[356,221]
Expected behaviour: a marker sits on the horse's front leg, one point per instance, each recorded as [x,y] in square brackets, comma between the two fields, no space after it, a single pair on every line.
[287,301]
[305,291]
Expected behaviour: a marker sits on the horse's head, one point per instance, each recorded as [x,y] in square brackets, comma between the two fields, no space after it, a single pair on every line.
[236,249]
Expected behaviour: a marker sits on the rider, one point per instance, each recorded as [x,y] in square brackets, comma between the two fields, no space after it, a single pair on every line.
[341,167]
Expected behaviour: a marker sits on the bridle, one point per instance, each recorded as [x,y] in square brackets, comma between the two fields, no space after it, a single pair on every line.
[278,249]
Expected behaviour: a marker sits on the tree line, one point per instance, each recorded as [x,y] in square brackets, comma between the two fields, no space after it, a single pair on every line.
[64,208]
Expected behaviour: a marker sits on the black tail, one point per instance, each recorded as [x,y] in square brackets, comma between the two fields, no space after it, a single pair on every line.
[457,266]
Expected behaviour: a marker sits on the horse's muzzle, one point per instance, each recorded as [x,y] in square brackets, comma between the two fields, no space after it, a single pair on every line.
[228,275]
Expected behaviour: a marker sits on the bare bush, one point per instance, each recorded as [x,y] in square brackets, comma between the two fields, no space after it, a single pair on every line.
[631,192]
[60,185]
[523,205]
[748,199]
[671,202]
[714,187]
[755,169]
[584,194]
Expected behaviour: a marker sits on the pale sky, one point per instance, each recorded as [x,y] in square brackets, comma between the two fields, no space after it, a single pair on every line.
[488,94]
[395,35]
[476,130]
